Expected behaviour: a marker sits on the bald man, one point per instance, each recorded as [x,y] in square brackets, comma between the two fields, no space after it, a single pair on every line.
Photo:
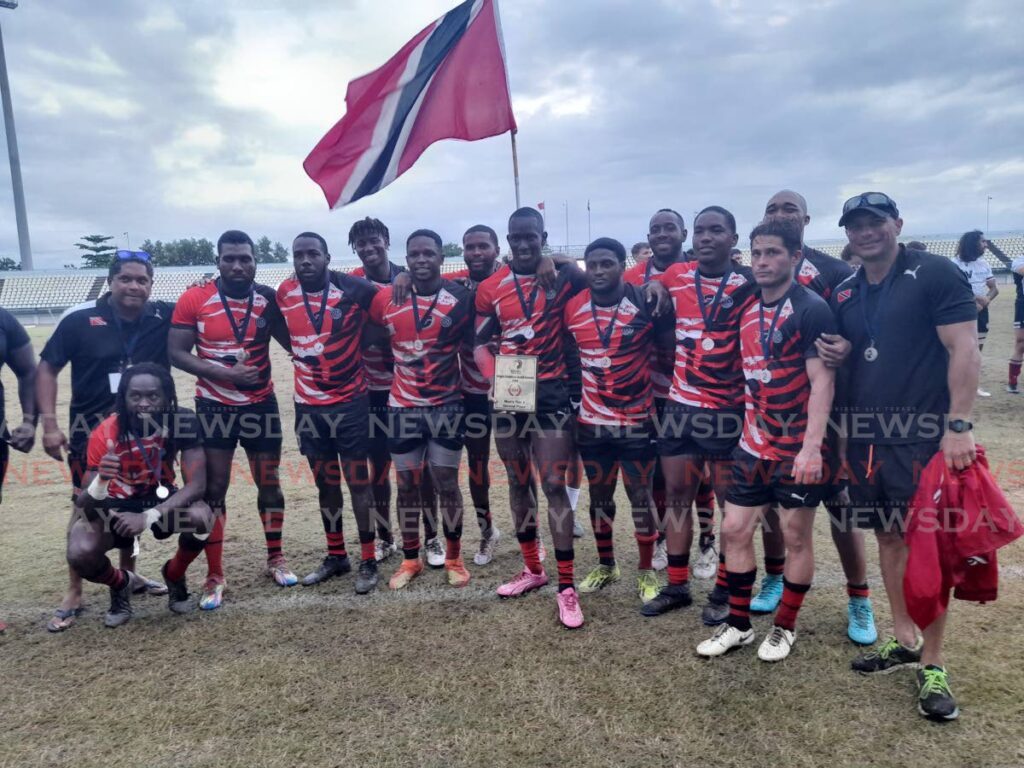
[820,273]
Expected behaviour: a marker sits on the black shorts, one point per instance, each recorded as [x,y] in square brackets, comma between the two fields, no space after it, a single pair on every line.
[378,422]
[5,459]
[756,482]
[479,421]
[554,413]
[698,433]
[412,428]
[256,426]
[341,429]
[983,321]
[161,529]
[1018,313]
[883,481]
[602,448]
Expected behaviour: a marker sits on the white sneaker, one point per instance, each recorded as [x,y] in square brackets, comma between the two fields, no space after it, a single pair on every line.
[435,552]
[577,529]
[983,393]
[487,547]
[659,561]
[777,645]
[707,563]
[726,638]
[382,550]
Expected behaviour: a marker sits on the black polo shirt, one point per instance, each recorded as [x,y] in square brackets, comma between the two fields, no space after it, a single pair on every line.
[12,337]
[902,396]
[88,337]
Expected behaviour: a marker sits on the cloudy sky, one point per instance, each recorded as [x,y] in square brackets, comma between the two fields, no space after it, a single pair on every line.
[169,120]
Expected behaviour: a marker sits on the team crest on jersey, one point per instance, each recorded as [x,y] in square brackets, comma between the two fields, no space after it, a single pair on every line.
[336,313]
[786,310]
[726,301]
[446,322]
[844,295]
[261,322]
[550,294]
[97,321]
[627,307]
[808,270]
[445,299]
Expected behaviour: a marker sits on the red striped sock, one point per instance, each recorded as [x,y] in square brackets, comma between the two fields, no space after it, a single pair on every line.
[531,555]
[775,566]
[645,544]
[858,590]
[603,539]
[411,546]
[112,577]
[367,551]
[720,579]
[1014,372]
[336,545]
[182,559]
[678,569]
[215,548]
[792,598]
[564,558]
[452,549]
[741,585]
[273,525]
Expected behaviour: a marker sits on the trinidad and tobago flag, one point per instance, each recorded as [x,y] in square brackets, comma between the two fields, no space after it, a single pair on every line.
[448,82]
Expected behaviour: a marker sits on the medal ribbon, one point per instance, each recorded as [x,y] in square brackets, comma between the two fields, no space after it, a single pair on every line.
[316,319]
[710,315]
[871,323]
[605,336]
[240,331]
[766,338]
[154,469]
[418,324]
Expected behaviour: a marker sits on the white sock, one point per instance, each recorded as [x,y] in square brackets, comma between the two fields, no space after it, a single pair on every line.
[574,496]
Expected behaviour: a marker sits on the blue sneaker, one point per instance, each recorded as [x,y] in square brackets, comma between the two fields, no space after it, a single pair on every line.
[861,628]
[770,595]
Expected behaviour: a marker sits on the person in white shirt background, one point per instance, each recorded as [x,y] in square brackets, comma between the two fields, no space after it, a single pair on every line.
[969,253]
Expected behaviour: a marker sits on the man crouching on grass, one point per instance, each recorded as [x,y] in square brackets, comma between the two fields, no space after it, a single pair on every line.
[130,486]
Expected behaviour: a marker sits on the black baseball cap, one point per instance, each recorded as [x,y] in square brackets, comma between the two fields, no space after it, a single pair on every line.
[877,203]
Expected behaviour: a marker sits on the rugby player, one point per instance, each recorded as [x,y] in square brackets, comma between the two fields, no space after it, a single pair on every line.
[788,397]
[130,486]
[426,333]
[229,322]
[325,312]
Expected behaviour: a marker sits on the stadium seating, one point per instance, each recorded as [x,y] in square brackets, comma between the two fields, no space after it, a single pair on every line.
[50,292]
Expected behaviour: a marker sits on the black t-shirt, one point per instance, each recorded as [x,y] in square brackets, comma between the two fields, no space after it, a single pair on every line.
[96,345]
[821,272]
[12,337]
[902,396]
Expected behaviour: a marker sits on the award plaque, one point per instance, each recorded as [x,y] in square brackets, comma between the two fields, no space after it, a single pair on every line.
[515,383]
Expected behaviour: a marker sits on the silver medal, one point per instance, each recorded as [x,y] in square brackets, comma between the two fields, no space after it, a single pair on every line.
[766,376]
[162,492]
[318,348]
[417,345]
[528,333]
[871,354]
[707,345]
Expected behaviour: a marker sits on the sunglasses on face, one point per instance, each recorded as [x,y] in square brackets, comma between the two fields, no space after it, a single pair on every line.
[139,255]
[873,199]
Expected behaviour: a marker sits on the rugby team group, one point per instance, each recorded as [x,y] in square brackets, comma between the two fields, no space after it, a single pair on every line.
[768,387]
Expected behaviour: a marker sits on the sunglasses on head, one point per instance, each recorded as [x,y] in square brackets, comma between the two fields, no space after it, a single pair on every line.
[139,255]
[874,199]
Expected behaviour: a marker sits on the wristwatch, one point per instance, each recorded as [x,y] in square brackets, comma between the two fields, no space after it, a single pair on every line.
[960,425]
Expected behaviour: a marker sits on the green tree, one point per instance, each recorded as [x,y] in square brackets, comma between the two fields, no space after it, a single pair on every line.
[281,254]
[264,250]
[97,251]
[187,252]
[452,251]
[7,264]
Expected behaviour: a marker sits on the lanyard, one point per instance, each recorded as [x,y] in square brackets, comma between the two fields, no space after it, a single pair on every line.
[240,331]
[766,338]
[605,336]
[316,319]
[526,305]
[127,345]
[871,323]
[154,469]
[710,317]
[418,324]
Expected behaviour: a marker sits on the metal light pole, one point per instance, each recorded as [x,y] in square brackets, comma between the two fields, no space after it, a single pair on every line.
[988,207]
[12,153]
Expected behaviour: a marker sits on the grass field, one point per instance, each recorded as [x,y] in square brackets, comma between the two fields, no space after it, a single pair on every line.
[434,676]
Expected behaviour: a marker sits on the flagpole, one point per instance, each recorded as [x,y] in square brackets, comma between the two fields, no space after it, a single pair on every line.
[515,167]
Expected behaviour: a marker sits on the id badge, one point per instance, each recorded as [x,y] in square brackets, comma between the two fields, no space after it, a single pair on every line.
[115,381]
[515,383]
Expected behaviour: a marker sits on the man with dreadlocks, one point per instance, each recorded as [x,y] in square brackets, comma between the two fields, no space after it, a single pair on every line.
[370,240]
[130,486]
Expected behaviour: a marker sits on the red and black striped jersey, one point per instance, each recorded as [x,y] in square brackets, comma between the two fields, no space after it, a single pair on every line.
[777,385]
[219,338]
[663,359]
[530,319]
[328,361]
[821,272]
[426,334]
[615,344]
[377,360]
[140,457]
[706,370]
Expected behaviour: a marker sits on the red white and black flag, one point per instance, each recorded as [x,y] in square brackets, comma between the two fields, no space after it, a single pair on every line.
[448,82]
